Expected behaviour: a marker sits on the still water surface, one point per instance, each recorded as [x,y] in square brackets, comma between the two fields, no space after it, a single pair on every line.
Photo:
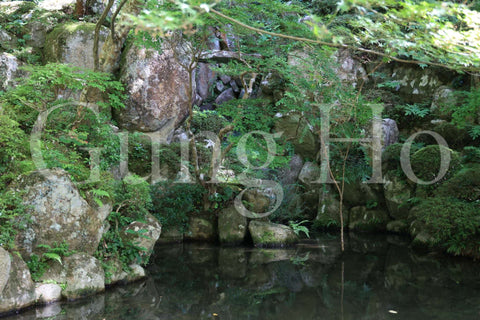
[376,278]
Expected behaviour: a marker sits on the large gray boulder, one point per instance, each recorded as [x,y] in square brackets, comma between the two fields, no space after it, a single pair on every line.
[72,43]
[82,274]
[232,226]
[9,70]
[58,213]
[157,87]
[266,234]
[17,289]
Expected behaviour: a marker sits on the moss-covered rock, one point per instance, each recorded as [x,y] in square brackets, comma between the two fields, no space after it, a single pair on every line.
[200,229]
[397,226]
[72,43]
[391,157]
[144,234]
[296,130]
[328,214]
[397,193]
[267,234]
[232,226]
[426,162]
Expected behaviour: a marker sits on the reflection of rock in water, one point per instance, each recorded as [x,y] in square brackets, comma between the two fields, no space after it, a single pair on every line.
[193,281]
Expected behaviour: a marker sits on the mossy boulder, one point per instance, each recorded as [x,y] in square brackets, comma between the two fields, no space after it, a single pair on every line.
[397,192]
[200,228]
[360,193]
[309,174]
[328,213]
[366,220]
[391,157]
[232,226]
[397,226]
[72,43]
[297,131]
[426,162]
[456,137]
[267,234]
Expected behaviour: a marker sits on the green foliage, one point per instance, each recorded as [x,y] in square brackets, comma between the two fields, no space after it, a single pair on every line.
[12,217]
[453,224]
[391,157]
[207,120]
[297,227]
[414,110]
[471,154]
[131,202]
[53,84]
[39,264]
[173,203]
[426,162]
[13,151]
[465,114]
[132,199]
[464,185]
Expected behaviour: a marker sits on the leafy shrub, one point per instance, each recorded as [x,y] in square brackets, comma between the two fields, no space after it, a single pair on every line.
[453,224]
[207,120]
[12,217]
[132,198]
[131,202]
[173,202]
[471,154]
[464,185]
[13,150]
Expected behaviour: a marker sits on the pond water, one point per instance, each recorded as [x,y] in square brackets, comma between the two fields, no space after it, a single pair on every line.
[375,278]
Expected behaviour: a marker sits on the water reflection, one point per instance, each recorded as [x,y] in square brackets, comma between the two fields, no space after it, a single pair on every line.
[376,278]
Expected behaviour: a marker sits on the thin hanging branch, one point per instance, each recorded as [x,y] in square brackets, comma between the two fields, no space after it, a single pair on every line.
[335,45]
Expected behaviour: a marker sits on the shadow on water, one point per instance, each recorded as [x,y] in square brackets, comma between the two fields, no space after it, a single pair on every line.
[376,278]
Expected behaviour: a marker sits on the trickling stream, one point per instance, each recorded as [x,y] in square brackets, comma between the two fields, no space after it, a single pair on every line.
[376,278]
